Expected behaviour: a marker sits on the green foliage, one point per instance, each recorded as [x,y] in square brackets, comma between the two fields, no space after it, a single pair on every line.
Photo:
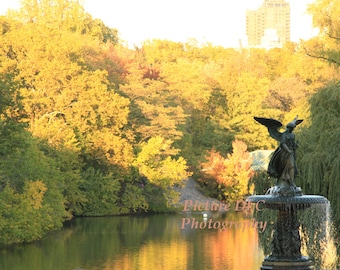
[101,193]
[69,166]
[203,131]
[133,199]
[30,206]
[319,149]
[261,182]
[111,194]
[161,200]
[23,217]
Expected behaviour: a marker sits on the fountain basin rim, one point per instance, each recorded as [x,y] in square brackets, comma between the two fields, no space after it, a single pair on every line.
[277,199]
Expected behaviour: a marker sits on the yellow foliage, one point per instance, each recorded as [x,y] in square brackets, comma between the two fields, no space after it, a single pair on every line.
[155,162]
[34,192]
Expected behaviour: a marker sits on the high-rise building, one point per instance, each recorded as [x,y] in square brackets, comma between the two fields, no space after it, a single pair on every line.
[269,25]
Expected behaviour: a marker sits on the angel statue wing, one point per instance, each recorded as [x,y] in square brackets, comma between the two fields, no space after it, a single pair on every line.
[272,125]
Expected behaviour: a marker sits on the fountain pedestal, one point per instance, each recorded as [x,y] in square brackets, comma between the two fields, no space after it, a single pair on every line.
[307,265]
[286,244]
[287,200]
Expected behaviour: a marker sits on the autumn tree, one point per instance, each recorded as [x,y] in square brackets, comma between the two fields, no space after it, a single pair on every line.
[159,164]
[162,51]
[152,111]
[68,103]
[68,99]
[325,15]
[229,176]
[191,78]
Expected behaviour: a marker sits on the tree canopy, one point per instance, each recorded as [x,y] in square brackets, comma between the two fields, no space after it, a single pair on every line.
[90,127]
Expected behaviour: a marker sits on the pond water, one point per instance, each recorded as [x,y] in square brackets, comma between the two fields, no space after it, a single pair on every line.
[178,241]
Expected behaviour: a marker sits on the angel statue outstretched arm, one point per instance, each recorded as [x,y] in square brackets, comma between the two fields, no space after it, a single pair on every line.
[282,164]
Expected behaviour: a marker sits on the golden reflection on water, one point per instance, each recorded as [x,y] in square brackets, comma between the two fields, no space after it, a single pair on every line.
[160,242]
[173,255]
[238,246]
[232,248]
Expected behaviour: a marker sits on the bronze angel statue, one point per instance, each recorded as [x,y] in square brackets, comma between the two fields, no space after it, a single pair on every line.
[282,164]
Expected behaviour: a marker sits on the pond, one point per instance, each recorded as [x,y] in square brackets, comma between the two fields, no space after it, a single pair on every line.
[221,241]
[177,241]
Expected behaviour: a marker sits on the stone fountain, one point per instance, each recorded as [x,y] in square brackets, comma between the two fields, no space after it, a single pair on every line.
[285,198]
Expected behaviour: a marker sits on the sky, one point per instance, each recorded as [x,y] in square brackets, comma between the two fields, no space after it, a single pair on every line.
[219,22]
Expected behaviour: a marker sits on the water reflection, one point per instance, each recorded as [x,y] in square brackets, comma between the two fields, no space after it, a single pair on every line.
[143,243]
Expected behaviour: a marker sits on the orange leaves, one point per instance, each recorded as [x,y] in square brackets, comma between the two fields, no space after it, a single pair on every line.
[215,166]
[232,172]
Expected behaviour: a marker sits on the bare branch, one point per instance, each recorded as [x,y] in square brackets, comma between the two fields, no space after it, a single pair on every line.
[333,37]
[333,61]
